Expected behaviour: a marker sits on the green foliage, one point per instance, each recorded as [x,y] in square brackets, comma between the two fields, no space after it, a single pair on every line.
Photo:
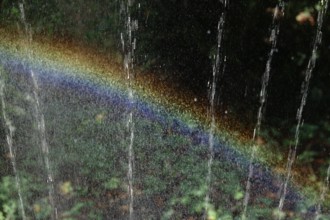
[9,12]
[42,209]
[74,211]
[113,183]
[8,199]
[307,156]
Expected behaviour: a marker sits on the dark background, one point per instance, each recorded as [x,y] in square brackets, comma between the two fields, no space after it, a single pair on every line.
[177,40]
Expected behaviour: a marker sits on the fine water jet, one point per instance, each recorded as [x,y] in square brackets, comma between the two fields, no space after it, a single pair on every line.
[9,137]
[304,90]
[129,45]
[218,67]
[279,10]
[39,116]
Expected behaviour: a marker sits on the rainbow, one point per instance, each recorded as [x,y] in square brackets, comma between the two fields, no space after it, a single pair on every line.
[56,61]
[86,68]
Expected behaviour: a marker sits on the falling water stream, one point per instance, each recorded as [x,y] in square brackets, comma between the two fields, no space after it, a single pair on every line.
[40,119]
[304,91]
[324,192]
[129,46]
[9,137]
[219,62]
[279,11]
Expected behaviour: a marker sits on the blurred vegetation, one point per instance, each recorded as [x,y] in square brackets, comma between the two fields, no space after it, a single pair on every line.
[177,40]
[89,139]
[89,162]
